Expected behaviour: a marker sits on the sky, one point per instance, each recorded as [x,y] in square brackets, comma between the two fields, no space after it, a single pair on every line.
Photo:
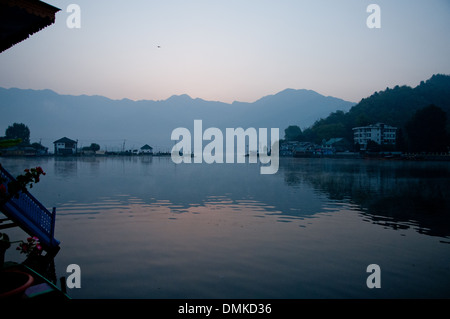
[232,50]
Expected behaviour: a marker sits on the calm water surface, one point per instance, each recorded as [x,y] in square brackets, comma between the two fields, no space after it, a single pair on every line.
[143,227]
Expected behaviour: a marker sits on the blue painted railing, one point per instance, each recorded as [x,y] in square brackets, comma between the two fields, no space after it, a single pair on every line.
[30,215]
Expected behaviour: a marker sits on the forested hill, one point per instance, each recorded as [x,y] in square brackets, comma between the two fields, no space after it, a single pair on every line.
[393,106]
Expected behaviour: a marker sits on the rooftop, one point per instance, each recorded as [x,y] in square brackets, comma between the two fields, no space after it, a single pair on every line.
[21,18]
[65,140]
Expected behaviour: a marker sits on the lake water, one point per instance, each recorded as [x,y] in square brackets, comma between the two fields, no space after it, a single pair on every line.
[143,227]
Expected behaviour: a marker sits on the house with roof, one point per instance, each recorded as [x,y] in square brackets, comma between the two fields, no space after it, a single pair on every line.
[146,149]
[65,146]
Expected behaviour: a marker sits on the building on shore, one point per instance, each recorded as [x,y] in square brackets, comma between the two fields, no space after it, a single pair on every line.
[380,133]
[336,144]
[65,146]
[146,149]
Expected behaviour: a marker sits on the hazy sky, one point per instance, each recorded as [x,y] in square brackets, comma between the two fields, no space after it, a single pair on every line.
[232,50]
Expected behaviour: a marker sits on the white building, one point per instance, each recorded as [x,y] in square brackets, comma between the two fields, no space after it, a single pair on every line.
[65,146]
[380,133]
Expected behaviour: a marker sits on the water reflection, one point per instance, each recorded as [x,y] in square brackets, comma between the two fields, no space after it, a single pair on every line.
[394,194]
[152,229]
[65,167]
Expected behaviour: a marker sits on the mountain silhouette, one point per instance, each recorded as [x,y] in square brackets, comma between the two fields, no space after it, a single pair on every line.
[97,119]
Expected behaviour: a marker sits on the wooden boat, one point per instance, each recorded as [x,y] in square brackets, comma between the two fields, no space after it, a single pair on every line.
[19,281]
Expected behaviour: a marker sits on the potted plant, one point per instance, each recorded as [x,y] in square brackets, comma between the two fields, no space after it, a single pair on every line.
[13,188]
[33,250]
[31,247]
[14,281]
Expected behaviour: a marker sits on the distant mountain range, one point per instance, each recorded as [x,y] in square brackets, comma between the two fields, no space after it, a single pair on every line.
[110,123]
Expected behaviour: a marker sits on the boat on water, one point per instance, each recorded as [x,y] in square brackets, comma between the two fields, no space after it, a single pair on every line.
[26,280]
[20,282]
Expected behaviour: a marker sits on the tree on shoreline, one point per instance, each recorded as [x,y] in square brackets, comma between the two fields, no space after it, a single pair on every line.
[395,107]
[426,130]
[18,131]
[293,133]
[93,147]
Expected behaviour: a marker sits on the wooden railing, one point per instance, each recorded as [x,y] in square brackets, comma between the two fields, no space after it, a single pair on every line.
[28,213]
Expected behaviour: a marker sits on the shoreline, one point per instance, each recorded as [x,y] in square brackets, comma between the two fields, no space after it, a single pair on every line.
[344,155]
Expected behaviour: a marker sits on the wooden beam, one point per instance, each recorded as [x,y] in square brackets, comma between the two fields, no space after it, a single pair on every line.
[8,225]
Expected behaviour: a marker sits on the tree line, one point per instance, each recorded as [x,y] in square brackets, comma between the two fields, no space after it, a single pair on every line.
[18,134]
